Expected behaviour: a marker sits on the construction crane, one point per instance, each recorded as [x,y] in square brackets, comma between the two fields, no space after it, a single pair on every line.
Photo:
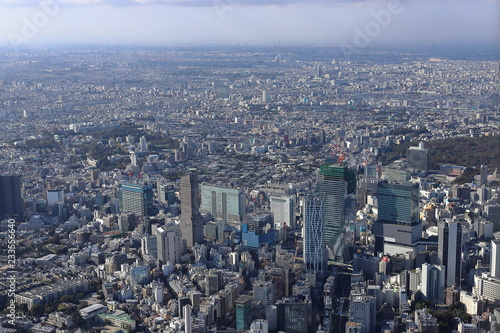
[341,159]
[338,154]
[365,163]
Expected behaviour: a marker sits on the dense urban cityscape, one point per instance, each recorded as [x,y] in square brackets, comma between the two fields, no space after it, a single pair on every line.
[250,189]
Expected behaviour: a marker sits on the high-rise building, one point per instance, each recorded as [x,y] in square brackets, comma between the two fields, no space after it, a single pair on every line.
[191,219]
[319,73]
[166,193]
[495,258]
[314,235]
[188,324]
[94,176]
[263,292]
[266,97]
[398,226]
[450,250]
[335,182]
[495,99]
[149,245]
[130,139]
[366,188]
[363,310]
[223,203]
[139,275]
[134,160]
[487,286]
[168,243]
[398,203]
[136,198]
[211,284]
[126,222]
[483,177]
[415,279]
[143,143]
[433,278]
[243,309]
[293,314]
[259,326]
[257,229]
[392,174]
[417,157]
[55,196]
[11,202]
[283,209]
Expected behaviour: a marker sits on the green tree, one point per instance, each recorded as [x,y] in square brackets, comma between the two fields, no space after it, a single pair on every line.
[22,308]
[65,298]
[445,320]
[82,305]
[56,239]
[37,310]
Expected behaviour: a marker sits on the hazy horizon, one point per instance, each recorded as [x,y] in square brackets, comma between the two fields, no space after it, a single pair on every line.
[358,24]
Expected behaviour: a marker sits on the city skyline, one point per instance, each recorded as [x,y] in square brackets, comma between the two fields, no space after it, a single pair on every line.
[348,184]
[31,23]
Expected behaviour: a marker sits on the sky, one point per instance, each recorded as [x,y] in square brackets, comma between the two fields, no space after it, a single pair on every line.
[173,22]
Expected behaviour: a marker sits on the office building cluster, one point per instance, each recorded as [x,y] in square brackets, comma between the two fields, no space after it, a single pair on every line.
[247,194]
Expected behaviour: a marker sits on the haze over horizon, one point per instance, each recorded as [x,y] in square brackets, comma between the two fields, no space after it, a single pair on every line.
[166,22]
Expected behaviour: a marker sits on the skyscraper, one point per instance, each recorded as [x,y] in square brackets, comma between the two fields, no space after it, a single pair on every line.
[362,309]
[483,177]
[134,159]
[417,157]
[143,143]
[11,203]
[168,243]
[223,203]
[335,182]
[293,314]
[136,198]
[263,292]
[314,235]
[495,258]
[191,219]
[257,229]
[243,309]
[188,324]
[450,250]
[319,73]
[398,226]
[265,96]
[398,203]
[166,193]
[284,211]
[149,245]
[433,277]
